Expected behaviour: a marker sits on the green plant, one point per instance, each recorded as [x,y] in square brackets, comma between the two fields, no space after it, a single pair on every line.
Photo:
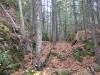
[64,72]
[79,54]
[88,44]
[6,63]
[10,57]
[5,58]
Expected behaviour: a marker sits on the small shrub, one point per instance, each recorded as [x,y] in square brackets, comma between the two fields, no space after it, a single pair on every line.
[64,72]
[10,57]
[79,54]
[88,44]
[5,58]
[6,64]
[89,47]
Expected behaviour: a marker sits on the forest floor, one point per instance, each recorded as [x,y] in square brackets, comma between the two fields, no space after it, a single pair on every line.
[60,59]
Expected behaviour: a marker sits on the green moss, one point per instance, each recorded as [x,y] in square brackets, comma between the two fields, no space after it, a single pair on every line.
[4,32]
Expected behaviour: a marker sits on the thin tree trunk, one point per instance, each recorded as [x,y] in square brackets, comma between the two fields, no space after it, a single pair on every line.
[75,16]
[22,26]
[65,32]
[54,35]
[32,16]
[98,15]
[83,13]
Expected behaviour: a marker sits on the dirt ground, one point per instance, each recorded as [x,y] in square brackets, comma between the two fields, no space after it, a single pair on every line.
[55,64]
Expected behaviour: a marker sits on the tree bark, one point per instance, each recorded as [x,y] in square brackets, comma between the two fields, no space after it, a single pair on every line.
[54,35]
[93,29]
[38,12]
[75,16]
[22,25]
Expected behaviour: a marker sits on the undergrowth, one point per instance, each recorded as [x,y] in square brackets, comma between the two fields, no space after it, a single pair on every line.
[79,53]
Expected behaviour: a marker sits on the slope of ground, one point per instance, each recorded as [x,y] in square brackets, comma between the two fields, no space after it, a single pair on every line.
[61,58]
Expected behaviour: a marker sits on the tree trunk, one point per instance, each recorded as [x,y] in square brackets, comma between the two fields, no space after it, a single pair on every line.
[54,35]
[75,16]
[38,12]
[93,29]
[22,26]
[98,15]
[32,17]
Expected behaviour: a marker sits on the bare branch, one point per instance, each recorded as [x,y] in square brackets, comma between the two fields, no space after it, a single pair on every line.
[14,26]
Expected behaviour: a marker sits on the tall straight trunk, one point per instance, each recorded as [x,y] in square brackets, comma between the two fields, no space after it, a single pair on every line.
[65,30]
[54,35]
[38,12]
[24,43]
[59,23]
[83,16]
[98,13]
[32,16]
[47,20]
[75,16]
[43,22]
[93,29]
[22,26]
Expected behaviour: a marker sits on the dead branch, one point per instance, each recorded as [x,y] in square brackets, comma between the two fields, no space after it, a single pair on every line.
[14,26]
